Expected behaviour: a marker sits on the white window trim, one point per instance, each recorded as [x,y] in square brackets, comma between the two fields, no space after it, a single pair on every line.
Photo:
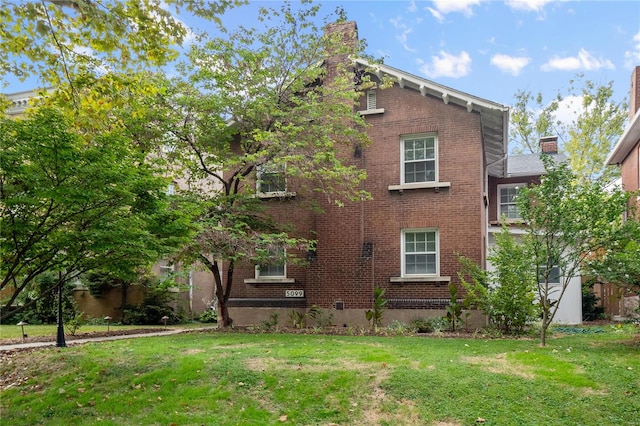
[258,278]
[371,100]
[429,277]
[434,183]
[499,203]
[272,194]
[371,107]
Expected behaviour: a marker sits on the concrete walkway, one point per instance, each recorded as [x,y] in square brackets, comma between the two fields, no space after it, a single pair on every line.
[70,342]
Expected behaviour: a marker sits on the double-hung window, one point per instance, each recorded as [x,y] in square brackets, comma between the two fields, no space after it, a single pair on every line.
[419,252]
[508,202]
[419,158]
[275,267]
[271,180]
[554,272]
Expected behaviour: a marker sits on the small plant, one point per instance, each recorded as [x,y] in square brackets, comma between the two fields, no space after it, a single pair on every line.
[455,307]
[297,319]
[398,328]
[429,325]
[322,319]
[209,316]
[73,324]
[271,323]
[374,316]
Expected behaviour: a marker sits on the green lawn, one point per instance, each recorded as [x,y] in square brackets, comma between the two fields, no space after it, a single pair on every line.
[263,379]
[15,331]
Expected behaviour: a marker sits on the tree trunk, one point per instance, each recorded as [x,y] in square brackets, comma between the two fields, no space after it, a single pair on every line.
[123,299]
[545,320]
[222,292]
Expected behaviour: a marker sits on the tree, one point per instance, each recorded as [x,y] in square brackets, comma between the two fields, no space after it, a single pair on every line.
[267,100]
[587,139]
[595,130]
[506,294]
[77,202]
[619,263]
[531,120]
[566,220]
[59,40]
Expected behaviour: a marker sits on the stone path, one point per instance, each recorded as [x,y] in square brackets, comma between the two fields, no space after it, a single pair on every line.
[94,339]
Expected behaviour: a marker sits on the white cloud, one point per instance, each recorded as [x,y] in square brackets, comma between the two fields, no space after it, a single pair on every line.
[447,65]
[406,30]
[568,109]
[439,16]
[510,64]
[442,7]
[528,5]
[583,61]
[412,6]
[632,57]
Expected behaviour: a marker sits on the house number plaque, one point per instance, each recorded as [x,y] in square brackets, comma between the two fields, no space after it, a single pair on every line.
[294,293]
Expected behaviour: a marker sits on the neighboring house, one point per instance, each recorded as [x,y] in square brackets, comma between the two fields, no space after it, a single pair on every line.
[626,155]
[524,170]
[195,294]
[626,152]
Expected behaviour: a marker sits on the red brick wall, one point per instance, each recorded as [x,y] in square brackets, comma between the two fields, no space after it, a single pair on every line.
[457,212]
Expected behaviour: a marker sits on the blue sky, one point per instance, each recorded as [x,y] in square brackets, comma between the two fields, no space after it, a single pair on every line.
[493,48]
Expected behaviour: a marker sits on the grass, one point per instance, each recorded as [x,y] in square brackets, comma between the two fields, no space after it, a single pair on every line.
[272,379]
[15,331]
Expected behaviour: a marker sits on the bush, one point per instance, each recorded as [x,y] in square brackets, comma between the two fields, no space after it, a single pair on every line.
[208,316]
[429,325]
[508,295]
[590,310]
[154,306]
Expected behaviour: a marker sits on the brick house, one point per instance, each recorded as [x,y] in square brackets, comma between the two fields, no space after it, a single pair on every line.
[626,152]
[626,155]
[434,152]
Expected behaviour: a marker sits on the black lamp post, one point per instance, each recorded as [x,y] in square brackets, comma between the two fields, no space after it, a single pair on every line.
[107,319]
[60,342]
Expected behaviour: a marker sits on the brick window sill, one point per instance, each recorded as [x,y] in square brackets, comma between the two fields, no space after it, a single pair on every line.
[279,194]
[269,281]
[420,279]
[421,185]
[371,111]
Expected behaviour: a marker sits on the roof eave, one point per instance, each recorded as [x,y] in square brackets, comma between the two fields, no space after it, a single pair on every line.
[494,116]
[627,141]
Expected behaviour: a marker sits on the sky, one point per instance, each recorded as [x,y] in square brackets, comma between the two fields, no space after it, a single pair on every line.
[492,49]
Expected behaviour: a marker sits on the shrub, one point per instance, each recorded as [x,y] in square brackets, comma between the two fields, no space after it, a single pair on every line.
[208,316]
[429,325]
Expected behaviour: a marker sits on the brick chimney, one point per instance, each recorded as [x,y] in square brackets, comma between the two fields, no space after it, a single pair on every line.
[549,145]
[634,98]
[348,31]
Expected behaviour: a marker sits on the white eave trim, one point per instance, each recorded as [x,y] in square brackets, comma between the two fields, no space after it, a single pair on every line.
[447,94]
[627,141]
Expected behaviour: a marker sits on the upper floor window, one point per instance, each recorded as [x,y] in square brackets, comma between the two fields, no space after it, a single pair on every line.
[371,100]
[419,158]
[420,252]
[274,268]
[271,180]
[508,201]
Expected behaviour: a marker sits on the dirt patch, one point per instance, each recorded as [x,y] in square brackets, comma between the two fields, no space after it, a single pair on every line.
[500,365]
